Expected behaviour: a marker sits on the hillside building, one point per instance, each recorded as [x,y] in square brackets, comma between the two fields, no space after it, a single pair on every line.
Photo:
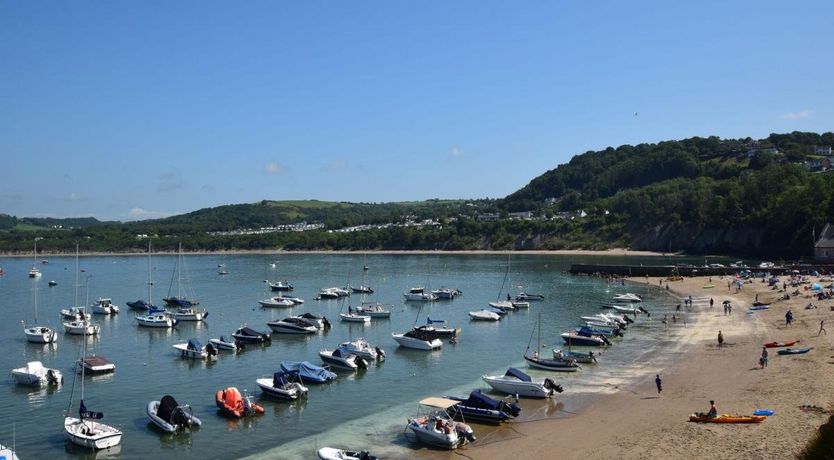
[824,247]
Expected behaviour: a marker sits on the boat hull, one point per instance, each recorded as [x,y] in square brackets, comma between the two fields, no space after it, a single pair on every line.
[517,387]
[417,344]
[102,437]
[552,365]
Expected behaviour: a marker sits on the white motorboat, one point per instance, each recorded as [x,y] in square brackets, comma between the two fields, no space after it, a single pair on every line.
[436,428]
[446,293]
[343,359]
[38,334]
[104,306]
[503,305]
[520,304]
[320,322]
[331,453]
[81,327]
[188,314]
[419,294]
[526,296]
[627,297]
[280,386]
[75,313]
[360,347]
[415,339]
[34,373]
[34,272]
[484,315]
[292,325]
[170,416]
[374,310]
[362,289]
[516,382]
[86,430]
[282,285]
[224,344]
[155,320]
[295,300]
[573,338]
[276,302]
[328,293]
[632,310]
[193,349]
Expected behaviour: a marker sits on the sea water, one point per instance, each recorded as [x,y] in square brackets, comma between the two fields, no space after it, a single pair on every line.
[365,410]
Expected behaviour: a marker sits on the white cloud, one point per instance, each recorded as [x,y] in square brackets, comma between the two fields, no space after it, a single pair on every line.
[144,214]
[797,115]
[456,152]
[275,168]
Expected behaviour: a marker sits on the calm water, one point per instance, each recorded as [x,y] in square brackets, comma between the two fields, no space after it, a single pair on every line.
[366,409]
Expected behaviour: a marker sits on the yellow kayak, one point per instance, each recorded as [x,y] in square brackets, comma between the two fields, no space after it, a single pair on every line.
[727,418]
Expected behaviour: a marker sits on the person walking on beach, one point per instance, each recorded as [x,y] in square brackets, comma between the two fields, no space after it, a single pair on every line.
[711,302]
[674,319]
[822,328]
[720,339]
[665,324]
[763,358]
[658,383]
[788,318]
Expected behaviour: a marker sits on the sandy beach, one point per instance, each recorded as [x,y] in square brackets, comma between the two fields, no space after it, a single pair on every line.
[634,423]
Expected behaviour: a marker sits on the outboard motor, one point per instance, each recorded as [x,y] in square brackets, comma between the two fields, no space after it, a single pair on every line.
[379,353]
[465,431]
[642,309]
[618,332]
[180,418]
[607,342]
[361,363]
[267,338]
[52,378]
[551,385]
[326,323]
[211,350]
[239,345]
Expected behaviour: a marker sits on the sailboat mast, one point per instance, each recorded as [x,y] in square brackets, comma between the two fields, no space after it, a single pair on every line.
[179,273]
[76,275]
[150,280]
[35,300]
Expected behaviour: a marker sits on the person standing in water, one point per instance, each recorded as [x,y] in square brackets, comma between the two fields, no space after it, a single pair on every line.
[720,339]
[658,382]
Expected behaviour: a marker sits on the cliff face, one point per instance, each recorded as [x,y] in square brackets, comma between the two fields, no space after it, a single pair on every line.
[671,238]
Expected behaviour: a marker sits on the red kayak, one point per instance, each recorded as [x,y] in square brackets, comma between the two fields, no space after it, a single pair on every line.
[780,344]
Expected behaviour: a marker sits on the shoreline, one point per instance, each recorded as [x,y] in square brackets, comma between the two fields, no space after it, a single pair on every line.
[584,252]
[635,423]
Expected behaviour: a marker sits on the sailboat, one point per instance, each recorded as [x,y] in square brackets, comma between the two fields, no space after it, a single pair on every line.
[186,310]
[155,317]
[141,304]
[363,288]
[80,324]
[504,305]
[559,365]
[34,272]
[38,334]
[86,430]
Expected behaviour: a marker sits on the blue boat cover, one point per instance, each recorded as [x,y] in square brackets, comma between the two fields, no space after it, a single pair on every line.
[84,413]
[430,321]
[194,344]
[518,374]
[478,399]
[337,353]
[308,371]
[154,309]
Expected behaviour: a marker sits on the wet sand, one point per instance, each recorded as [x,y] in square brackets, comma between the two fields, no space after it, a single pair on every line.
[636,423]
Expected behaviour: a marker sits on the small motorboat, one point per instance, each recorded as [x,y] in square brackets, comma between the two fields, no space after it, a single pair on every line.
[280,386]
[352,317]
[81,327]
[574,338]
[419,294]
[343,359]
[104,306]
[308,372]
[34,373]
[563,364]
[193,349]
[517,304]
[503,305]
[277,302]
[374,310]
[232,404]
[481,408]
[331,453]
[781,344]
[95,364]
[360,347]
[526,296]
[170,416]
[627,297]
[446,293]
[75,313]
[632,310]
[282,285]
[9,453]
[484,315]
[40,334]
[438,332]
[320,322]
[417,340]
[52,283]
[224,344]
[248,335]
[516,382]
[155,320]
[362,289]
[726,418]
[794,351]
[590,329]
[436,427]
[292,325]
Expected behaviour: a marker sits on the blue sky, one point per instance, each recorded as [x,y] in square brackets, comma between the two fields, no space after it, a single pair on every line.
[131,110]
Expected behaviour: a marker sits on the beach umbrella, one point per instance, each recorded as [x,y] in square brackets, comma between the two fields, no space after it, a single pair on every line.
[816,287]
[726,302]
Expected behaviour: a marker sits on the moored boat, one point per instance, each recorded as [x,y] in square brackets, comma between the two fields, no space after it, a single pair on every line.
[484,315]
[308,372]
[81,327]
[170,416]
[231,403]
[34,373]
[193,349]
[280,386]
[331,453]
[248,335]
[224,344]
[292,325]
[282,285]
[276,302]
[481,408]
[360,347]
[417,340]
[95,364]
[343,359]
[374,310]
[104,306]
[516,382]
[574,338]
[436,427]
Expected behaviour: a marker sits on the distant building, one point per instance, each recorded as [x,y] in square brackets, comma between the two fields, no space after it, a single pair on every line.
[523,215]
[822,150]
[488,217]
[824,247]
